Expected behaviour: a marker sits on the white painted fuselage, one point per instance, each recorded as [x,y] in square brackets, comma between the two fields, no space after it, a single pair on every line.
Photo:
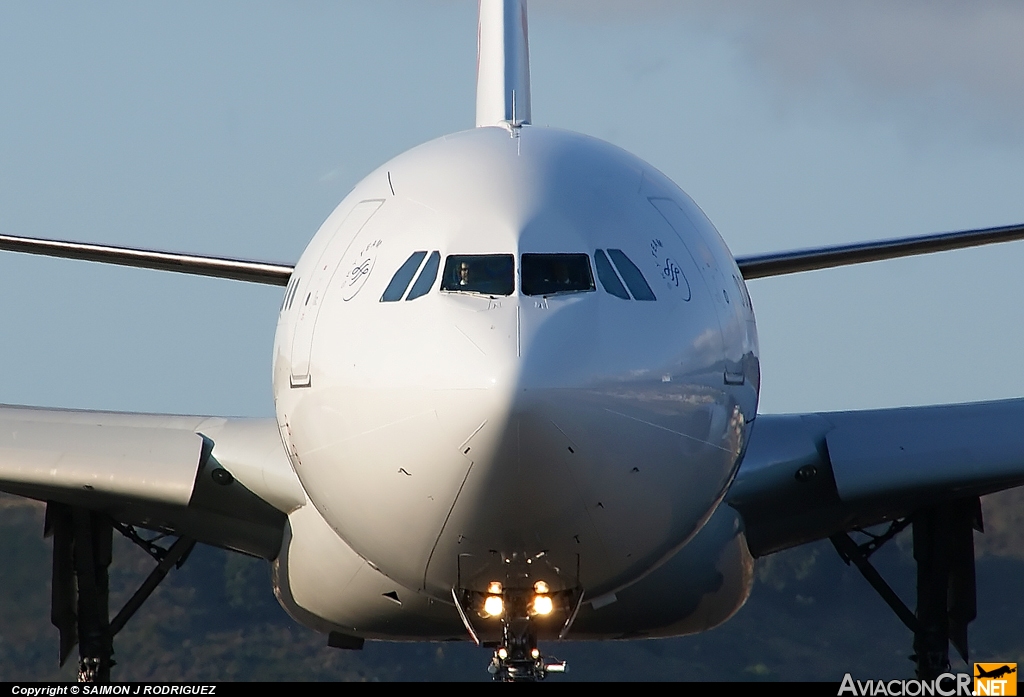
[442,436]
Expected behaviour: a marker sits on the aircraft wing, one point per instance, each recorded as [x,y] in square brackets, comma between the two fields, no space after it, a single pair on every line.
[807,477]
[804,477]
[225,482]
[795,261]
[198,265]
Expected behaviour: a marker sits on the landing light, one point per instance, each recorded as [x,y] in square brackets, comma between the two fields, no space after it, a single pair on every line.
[542,605]
[503,653]
[494,587]
[540,587]
[493,605]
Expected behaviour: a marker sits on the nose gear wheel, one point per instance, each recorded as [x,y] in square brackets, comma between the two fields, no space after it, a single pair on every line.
[518,659]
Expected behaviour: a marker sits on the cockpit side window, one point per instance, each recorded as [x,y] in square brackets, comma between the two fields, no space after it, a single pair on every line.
[548,274]
[402,278]
[608,277]
[635,280]
[426,278]
[487,274]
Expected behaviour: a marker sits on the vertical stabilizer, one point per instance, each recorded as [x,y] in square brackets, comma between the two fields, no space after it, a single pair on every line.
[502,64]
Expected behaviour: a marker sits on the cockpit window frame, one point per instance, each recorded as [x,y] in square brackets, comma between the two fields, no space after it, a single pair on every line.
[632,276]
[569,257]
[403,277]
[608,277]
[449,272]
[428,275]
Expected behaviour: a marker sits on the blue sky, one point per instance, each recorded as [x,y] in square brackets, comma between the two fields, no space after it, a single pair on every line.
[235,128]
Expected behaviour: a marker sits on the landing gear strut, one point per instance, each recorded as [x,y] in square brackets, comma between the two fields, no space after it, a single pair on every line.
[80,602]
[518,659]
[508,615]
[946,591]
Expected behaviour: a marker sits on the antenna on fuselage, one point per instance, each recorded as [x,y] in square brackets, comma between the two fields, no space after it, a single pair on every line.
[502,64]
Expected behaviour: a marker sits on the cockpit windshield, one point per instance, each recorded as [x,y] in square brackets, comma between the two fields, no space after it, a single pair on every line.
[487,274]
[548,274]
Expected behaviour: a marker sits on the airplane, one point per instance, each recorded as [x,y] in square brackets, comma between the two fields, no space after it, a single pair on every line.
[980,672]
[245,485]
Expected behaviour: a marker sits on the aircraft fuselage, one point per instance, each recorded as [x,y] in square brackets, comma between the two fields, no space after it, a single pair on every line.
[455,409]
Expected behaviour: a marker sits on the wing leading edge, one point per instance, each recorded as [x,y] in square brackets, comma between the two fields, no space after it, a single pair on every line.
[794,261]
[194,264]
[225,482]
[807,477]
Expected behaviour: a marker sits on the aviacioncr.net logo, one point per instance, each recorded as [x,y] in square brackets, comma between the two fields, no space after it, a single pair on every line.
[995,678]
[946,685]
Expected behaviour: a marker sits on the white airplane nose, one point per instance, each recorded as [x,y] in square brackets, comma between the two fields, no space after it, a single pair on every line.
[600,473]
[514,426]
[536,394]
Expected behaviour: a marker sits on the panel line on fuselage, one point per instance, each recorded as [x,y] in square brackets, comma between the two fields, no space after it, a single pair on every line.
[381,426]
[451,509]
[475,345]
[664,428]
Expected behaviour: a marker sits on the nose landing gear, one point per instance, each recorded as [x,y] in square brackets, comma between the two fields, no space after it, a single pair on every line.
[518,659]
[531,603]
[521,667]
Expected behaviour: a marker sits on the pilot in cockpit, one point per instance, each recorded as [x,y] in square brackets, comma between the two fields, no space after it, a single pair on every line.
[464,274]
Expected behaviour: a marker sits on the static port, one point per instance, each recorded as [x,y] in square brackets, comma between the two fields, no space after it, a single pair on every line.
[806,473]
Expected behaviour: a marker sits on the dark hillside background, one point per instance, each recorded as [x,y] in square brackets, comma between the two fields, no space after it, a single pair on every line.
[809,618]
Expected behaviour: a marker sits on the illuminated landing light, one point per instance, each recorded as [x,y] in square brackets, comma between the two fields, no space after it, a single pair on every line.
[493,605]
[542,605]
[540,588]
[535,653]
[494,587]
[503,653]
